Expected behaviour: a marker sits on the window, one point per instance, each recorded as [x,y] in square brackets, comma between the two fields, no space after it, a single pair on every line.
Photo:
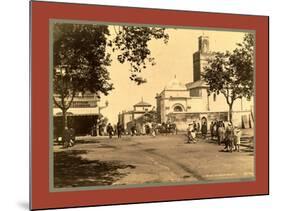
[178,109]
[195,93]
[80,104]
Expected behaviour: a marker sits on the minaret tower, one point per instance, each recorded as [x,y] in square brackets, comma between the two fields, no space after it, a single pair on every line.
[200,57]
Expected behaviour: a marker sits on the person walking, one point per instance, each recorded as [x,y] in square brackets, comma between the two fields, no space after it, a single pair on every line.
[119,130]
[176,129]
[194,126]
[237,137]
[215,127]
[164,128]
[109,130]
[204,130]
[229,136]
[72,136]
[221,133]
[190,134]
[153,128]
[198,127]
[212,129]
[133,130]
[147,129]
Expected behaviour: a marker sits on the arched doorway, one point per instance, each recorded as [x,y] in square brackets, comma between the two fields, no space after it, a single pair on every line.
[204,120]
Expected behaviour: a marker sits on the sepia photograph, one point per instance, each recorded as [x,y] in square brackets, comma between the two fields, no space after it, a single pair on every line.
[150,105]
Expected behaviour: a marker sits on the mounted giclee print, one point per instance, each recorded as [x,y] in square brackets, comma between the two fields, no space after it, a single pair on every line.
[134,105]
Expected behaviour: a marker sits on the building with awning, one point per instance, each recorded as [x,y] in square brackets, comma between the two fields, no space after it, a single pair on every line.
[77,111]
[82,115]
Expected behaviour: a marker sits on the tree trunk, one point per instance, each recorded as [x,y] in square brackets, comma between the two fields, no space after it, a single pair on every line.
[64,120]
[230,112]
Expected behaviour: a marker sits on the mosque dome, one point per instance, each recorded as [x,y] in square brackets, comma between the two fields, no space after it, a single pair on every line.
[175,84]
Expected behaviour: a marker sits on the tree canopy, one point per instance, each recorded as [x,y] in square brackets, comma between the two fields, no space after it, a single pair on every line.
[80,61]
[132,43]
[232,73]
[81,57]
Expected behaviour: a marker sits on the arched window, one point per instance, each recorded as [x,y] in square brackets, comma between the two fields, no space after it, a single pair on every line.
[178,109]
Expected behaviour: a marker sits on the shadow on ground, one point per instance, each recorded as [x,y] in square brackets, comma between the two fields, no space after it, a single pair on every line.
[71,170]
[80,141]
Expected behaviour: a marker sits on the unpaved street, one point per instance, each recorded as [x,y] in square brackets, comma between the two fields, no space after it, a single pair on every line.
[145,159]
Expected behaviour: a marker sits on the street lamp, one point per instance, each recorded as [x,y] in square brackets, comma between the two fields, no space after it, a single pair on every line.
[99,114]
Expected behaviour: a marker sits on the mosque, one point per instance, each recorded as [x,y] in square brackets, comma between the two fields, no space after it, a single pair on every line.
[184,103]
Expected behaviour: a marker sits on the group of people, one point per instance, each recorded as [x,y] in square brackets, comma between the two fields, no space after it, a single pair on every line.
[228,134]
[224,133]
[191,132]
[217,129]
[195,128]
[148,129]
[112,131]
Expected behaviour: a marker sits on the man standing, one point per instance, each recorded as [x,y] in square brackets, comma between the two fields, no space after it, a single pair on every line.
[212,129]
[119,130]
[237,137]
[204,130]
[109,130]
[229,136]
[221,133]
[198,127]
[194,126]
[191,134]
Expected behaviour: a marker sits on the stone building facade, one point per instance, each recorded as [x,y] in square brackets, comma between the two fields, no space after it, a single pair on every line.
[184,103]
[135,117]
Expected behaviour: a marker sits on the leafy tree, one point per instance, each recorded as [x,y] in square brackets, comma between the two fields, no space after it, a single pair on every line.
[231,73]
[80,62]
[150,116]
[132,42]
[81,58]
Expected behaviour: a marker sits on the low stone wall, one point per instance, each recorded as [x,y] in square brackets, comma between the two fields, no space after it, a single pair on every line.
[242,119]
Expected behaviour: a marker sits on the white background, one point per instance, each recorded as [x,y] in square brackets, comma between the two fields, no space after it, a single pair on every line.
[14,104]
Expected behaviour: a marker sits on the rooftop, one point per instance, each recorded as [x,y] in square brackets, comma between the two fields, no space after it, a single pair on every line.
[175,84]
[142,103]
[196,84]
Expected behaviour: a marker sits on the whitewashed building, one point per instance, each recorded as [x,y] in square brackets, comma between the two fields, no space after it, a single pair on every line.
[183,103]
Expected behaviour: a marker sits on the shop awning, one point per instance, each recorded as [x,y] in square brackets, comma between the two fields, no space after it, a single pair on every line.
[77,112]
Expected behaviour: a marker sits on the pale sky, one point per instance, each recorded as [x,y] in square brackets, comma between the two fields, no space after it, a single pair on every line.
[174,58]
